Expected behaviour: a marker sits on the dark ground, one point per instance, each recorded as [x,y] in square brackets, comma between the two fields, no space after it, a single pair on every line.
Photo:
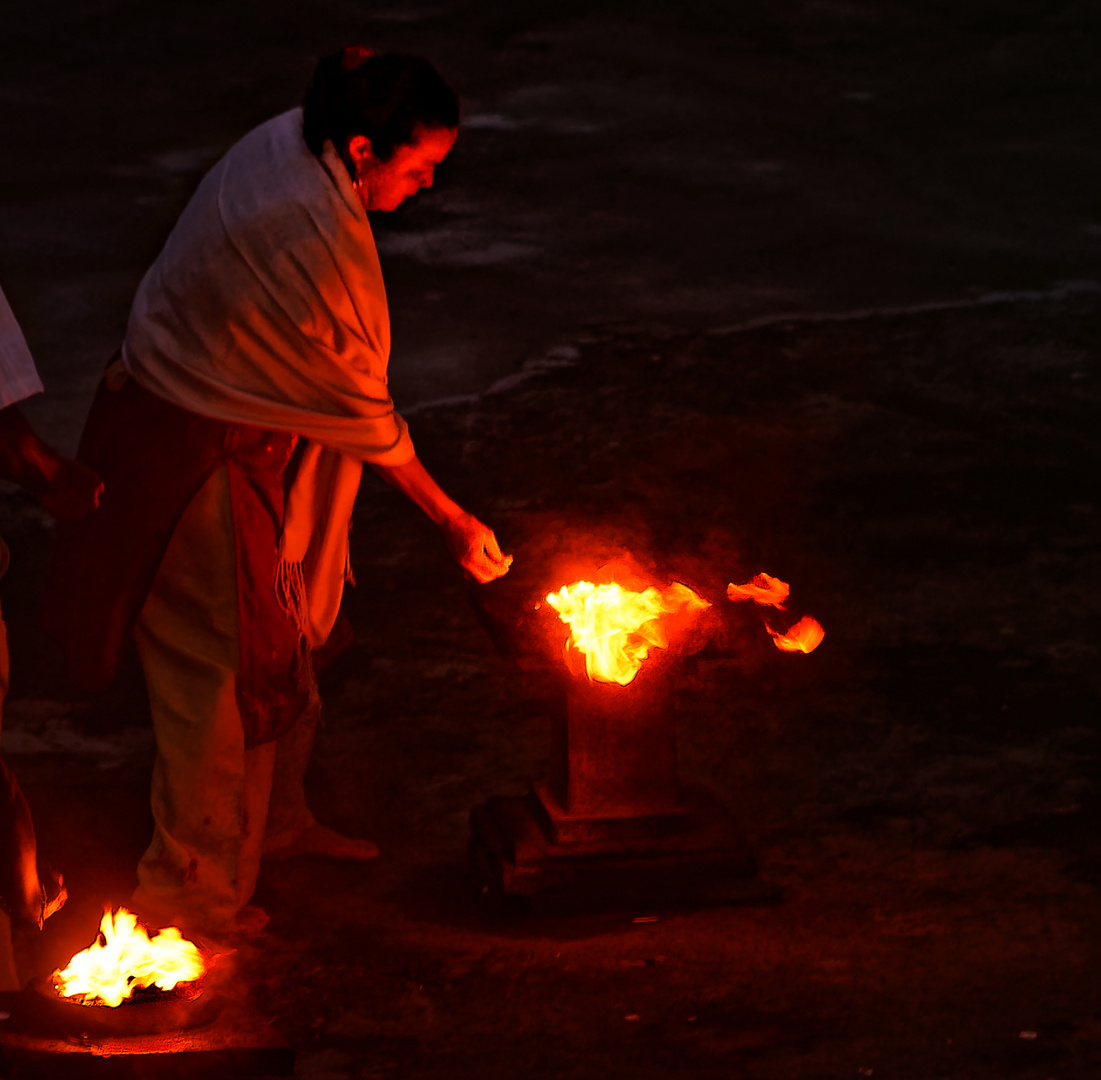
[924,787]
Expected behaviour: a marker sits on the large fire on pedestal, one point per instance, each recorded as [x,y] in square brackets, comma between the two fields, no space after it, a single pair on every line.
[124,958]
[609,823]
[615,628]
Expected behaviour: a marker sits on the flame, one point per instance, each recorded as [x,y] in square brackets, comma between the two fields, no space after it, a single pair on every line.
[805,636]
[124,957]
[764,589]
[615,628]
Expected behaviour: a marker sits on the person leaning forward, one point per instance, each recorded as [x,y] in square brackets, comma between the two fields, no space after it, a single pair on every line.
[254,364]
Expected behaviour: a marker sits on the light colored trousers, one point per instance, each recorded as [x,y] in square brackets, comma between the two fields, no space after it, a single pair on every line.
[217,806]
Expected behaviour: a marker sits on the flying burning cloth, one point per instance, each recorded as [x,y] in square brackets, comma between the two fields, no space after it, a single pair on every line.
[764,589]
[804,636]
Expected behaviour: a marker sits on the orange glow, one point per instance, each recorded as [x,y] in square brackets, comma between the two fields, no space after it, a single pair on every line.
[764,589]
[124,957]
[615,628]
[805,636]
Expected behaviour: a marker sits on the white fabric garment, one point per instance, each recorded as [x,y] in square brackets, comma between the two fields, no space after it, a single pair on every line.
[314,561]
[267,307]
[18,375]
[216,805]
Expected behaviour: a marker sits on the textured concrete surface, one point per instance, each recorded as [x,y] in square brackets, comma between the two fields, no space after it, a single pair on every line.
[634,247]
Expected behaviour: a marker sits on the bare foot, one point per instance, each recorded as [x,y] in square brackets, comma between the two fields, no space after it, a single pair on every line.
[325,843]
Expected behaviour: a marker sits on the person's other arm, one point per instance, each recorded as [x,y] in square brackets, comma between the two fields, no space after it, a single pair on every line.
[67,489]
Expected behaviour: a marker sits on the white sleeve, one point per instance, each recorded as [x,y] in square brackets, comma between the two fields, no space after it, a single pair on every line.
[18,375]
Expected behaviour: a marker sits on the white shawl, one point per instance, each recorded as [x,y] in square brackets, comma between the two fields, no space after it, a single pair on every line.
[18,375]
[267,307]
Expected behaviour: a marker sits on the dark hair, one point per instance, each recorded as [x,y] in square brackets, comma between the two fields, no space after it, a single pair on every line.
[382,96]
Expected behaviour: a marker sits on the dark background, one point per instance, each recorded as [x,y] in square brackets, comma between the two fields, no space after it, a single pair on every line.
[808,288]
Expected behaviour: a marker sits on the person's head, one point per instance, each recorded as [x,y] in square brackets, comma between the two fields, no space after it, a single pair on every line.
[391,117]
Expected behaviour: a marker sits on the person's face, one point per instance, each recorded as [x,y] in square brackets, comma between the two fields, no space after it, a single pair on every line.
[385,185]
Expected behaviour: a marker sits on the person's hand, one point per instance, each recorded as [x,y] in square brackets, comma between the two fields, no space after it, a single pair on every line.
[69,490]
[474,547]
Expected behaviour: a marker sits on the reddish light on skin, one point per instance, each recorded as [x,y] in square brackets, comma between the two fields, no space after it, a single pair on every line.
[385,185]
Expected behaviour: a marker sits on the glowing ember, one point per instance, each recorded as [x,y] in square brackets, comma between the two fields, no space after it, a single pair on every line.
[805,636]
[763,589]
[615,628]
[124,957]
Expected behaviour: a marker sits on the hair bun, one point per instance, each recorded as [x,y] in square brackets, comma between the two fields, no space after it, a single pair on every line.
[355,56]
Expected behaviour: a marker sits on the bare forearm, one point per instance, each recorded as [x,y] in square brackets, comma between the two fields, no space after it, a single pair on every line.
[415,482]
[24,458]
[66,489]
[472,544]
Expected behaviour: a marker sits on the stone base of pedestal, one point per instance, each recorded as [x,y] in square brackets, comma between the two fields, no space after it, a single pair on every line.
[697,856]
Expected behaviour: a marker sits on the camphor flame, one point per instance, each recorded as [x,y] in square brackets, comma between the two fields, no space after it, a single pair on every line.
[124,957]
[615,628]
[805,636]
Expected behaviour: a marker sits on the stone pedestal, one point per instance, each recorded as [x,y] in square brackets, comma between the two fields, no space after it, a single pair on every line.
[614,749]
[610,827]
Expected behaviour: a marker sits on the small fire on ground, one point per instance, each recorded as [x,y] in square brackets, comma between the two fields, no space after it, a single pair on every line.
[124,958]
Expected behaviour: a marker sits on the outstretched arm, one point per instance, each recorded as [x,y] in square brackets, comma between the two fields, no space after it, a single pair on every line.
[66,489]
[472,544]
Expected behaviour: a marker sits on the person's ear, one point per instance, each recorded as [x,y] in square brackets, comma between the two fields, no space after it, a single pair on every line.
[359,148]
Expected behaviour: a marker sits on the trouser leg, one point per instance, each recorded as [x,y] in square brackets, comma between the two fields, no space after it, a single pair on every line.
[288,814]
[209,794]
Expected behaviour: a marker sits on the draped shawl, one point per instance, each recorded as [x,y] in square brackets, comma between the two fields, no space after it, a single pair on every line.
[267,308]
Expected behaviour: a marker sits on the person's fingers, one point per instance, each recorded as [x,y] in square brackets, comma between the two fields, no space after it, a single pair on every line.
[487,569]
[475,548]
[481,570]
